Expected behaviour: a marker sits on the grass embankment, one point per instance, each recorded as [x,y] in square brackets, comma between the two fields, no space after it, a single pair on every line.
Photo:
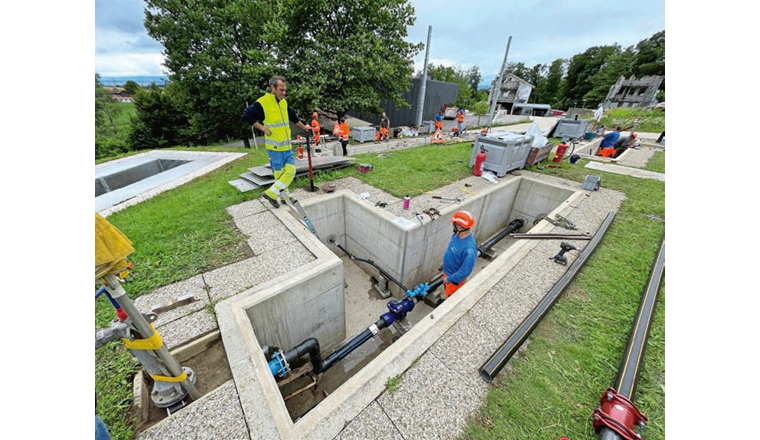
[650,121]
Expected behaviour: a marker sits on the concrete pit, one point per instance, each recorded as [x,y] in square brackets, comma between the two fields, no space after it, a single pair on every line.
[332,299]
[125,182]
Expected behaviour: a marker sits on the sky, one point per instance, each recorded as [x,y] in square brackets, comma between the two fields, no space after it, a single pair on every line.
[542,31]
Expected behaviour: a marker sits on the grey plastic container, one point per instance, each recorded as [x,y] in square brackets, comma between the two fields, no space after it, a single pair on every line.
[504,151]
[363,134]
[571,128]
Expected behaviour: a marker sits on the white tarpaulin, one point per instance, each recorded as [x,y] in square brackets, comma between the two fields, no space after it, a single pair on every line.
[539,140]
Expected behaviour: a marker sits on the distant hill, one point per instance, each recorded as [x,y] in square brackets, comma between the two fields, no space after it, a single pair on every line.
[141,80]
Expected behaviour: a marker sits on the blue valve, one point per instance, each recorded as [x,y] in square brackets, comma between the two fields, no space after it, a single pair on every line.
[420,290]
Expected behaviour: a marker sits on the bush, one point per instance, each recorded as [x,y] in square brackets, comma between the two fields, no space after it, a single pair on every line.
[107,145]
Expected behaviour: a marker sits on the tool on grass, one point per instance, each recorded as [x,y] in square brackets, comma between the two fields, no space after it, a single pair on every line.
[560,258]
[449,199]
[365,167]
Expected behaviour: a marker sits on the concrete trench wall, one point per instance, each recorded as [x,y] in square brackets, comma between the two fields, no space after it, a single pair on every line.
[289,308]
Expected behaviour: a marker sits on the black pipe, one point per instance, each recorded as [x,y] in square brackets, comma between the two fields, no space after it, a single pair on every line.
[499,359]
[310,346]
[351,345]
[513,226]
[628,373]
[615,425]
[370,262]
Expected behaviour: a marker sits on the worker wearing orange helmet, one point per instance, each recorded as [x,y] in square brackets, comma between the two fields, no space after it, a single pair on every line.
[459,258]
[315,128]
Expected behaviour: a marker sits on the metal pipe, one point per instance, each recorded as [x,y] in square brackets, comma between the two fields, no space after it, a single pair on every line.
[497,86]
[423,81]
[494,364]
[551,236]
[113,285]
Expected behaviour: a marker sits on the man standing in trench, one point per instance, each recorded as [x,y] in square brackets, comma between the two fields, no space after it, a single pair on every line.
[271,115]
[459,258]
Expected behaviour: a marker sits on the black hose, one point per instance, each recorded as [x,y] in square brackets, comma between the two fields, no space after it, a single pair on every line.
[371,263]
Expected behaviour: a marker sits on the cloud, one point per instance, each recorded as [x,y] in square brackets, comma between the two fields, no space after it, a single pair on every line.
[129,64]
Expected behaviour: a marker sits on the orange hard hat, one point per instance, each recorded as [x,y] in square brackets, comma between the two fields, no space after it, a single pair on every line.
[634,135]
[464,218]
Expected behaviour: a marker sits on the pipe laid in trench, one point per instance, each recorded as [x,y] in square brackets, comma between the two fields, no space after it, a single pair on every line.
[513,226]
[279,365]
[331,239]
[616,416]
[494,364]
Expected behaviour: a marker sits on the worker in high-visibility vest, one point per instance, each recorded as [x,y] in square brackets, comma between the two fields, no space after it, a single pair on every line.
[315,128]
[271,115]
[460,122]
[383,133]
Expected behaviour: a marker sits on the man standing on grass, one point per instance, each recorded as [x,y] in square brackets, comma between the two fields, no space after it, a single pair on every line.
[271,115]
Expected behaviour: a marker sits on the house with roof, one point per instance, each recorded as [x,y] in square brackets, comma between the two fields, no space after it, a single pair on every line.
[121,95]
[514,90]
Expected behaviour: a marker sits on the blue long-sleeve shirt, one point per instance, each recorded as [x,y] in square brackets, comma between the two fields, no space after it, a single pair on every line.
[459,258]
[609,140]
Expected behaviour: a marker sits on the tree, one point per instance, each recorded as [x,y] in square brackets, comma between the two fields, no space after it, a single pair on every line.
[549,89]
[159,122]
[346,55]
[536,76]
[131,87]
[220,56]
[106,109]
[650,57]
[616,66]
[581,67]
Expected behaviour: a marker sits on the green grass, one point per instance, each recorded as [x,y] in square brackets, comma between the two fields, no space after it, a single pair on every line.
[393,382]
[651,121]
[657,162]
[549,392]
[125,117]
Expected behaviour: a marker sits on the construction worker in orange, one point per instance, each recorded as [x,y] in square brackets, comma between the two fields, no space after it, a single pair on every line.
[438,135]
[315,128]
[460,122]
[459,258]
[343,136]
[383,133]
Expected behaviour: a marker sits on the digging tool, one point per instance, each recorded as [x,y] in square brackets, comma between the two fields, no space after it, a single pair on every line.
[432,212]
[449,199]
[308,154]
[173,303]
[299,213]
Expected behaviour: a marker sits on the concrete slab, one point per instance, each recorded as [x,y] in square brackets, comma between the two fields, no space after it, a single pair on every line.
[617,169]
[187,328]
[266,232]
[432,402]
[242,185]
[638,158]
[363,303]
[217,415]
[371,423]
[237,277]
[245,209]
[194,286]
[463,349]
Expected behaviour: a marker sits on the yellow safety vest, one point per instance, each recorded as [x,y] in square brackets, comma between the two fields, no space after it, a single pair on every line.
[276,120]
